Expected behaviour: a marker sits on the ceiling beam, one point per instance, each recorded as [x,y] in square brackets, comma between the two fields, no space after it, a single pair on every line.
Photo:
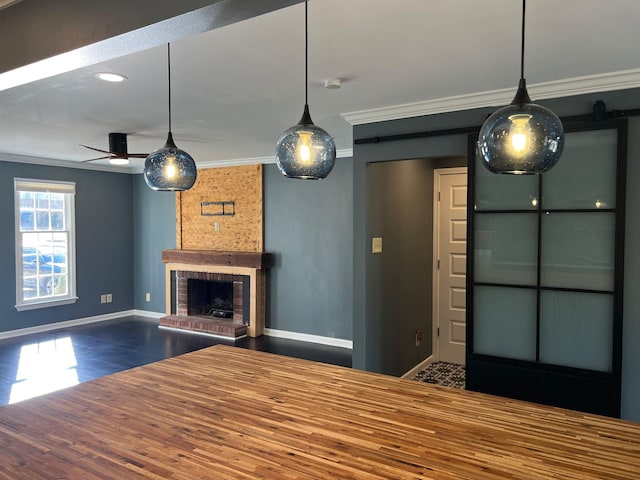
[42,38]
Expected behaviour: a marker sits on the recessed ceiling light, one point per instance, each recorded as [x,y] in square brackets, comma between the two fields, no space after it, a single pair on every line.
[111,77]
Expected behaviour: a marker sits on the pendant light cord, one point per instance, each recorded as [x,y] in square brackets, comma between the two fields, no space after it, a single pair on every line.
[306,53]
[169,82]
[524,6]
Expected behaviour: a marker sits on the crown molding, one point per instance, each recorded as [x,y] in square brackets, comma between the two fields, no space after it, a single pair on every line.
[232,162]
[235,162]
[605,82]
[52,162]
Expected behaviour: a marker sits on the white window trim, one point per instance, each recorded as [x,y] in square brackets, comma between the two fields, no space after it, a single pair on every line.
[53,186]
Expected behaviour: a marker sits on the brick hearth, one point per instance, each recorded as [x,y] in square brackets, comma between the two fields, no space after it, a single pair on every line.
[212,326]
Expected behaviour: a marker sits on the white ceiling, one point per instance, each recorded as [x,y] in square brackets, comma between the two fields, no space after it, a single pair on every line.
[237,88]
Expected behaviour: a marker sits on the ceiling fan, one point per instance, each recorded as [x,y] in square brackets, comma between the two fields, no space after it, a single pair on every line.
[117,153]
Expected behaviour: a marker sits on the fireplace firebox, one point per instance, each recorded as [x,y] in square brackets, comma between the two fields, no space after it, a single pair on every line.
[209,299]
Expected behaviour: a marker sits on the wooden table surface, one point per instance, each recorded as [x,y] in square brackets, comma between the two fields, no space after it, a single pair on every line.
[225,412]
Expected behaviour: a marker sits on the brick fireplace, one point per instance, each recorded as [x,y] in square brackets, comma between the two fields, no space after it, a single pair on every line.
[217,293]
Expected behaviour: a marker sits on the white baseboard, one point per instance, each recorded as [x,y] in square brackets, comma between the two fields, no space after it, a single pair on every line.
[305,337]
[69,323]
[418,368]
[145,313]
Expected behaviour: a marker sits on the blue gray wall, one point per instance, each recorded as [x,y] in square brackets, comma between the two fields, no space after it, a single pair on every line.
[104,244]
[154,230]
[368,326]
[308,227]
[631,315]
[399,204]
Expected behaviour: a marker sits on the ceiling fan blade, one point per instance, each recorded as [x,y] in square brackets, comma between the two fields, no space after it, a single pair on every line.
[94,159]
[137,155]
[96,149]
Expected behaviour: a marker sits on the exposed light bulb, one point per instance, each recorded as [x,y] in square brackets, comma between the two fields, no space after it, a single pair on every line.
[303,152]
[170,170]
[534,202]
[598,203]
[520,133]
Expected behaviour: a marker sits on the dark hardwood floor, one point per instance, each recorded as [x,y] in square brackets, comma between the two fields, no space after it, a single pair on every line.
[36,364]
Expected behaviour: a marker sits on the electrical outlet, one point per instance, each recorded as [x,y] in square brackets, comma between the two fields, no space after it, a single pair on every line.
[109,298]
[418,337]
[103,298]
[216,226]
[147,296]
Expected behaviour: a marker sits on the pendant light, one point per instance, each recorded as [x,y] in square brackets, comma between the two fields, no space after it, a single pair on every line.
[521,138]
[305,151]
[169,168]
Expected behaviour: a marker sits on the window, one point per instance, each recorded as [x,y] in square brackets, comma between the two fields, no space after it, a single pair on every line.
[45,246]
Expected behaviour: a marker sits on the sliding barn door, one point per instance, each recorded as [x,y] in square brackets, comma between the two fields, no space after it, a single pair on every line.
[545,276]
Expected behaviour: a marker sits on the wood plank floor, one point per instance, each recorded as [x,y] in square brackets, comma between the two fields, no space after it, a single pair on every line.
[231,413]
[41,363]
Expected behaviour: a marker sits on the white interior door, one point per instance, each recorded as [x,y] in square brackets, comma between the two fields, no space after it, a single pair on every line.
[450,264]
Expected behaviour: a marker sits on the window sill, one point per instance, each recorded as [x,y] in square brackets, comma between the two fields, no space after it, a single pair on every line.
[46,303]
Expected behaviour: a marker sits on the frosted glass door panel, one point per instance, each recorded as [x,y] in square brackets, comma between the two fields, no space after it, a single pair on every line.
[504,322]
[585,175]
[506,248]
[576,329]
[578,250]
[504,192]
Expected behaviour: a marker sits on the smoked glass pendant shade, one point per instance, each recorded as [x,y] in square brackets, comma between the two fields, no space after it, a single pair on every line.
[521,138]
[169,168]
[305,150]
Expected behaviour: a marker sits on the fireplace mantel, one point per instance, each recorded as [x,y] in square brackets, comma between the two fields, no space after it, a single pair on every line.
[251,264]
[259,260]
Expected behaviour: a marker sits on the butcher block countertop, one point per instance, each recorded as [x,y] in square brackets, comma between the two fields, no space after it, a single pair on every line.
[224,412]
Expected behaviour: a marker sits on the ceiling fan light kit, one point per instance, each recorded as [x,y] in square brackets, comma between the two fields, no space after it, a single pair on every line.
[118,161]
[117,153]
[118,143]
[305,151]
[523,137]
[169,168]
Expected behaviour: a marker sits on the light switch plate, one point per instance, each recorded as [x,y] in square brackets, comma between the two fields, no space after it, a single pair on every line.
[376,245]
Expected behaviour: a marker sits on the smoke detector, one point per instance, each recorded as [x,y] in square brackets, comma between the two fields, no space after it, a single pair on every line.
[332,83]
